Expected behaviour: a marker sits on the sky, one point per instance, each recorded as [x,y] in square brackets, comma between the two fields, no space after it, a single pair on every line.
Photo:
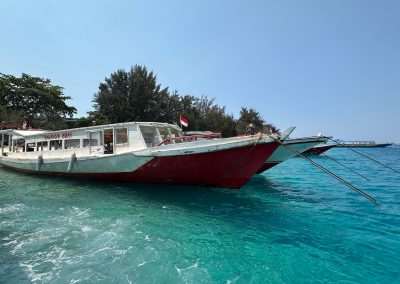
[330,67]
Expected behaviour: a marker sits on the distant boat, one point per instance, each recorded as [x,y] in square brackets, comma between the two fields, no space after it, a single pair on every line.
[319,149]
[362,144]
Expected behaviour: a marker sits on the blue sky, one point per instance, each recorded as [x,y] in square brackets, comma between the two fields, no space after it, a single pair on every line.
[324,66]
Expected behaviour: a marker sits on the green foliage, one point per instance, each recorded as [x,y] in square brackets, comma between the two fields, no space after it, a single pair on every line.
[136,96]
[35,99]
[269,128]
[94,118]
[10,117]
[132,96]
[203,114]
[249,116]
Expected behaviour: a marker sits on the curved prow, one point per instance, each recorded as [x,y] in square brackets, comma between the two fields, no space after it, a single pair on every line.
[287,132]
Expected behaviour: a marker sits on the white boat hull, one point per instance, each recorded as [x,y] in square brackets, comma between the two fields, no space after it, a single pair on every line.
[284,153]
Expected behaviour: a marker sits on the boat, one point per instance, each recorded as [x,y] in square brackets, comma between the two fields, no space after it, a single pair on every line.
[362,144]
[284,151]
[147,152]
[319,149]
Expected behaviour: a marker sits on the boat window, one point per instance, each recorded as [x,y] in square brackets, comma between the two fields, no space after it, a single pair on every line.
[122,135]
[164,133]
[176,133]
[150,135]
[6,138]
[72,143]
[108,137]
[42,146]
[30,147]
[19,145]
[55,144]
[93,142]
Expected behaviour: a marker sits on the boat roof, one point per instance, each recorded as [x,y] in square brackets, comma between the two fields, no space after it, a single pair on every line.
[30,132]
[23,132]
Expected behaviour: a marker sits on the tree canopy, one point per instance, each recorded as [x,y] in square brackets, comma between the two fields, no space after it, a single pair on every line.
[133,95]
[136,96]
[35,99]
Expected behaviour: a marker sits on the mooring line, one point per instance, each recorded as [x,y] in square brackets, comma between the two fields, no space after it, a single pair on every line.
[336,161]
[359,191]
[368,157]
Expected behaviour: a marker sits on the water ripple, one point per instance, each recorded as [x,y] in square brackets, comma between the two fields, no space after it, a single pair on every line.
[292,224]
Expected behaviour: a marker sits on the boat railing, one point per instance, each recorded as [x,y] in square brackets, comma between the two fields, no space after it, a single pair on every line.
[190,138]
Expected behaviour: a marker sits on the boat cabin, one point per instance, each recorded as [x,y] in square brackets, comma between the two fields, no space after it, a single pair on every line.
[102,139]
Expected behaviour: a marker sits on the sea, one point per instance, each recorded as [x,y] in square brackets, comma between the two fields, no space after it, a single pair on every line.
[292,224]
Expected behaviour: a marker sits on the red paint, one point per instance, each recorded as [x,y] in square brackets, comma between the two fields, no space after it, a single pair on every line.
[230,168]
[319,150]
[267,166]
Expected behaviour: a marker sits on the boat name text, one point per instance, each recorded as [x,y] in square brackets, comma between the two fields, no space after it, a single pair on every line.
[57,136]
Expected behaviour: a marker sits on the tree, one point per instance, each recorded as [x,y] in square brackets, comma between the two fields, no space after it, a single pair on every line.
[35,99]
[249,116]
[213,117]
[132,96]
[269,128]
[135,95]
[10,118]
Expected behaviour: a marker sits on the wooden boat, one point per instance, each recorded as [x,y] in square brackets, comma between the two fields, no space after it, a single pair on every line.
[362,144]
[147,152]
[284,153]
[319,149]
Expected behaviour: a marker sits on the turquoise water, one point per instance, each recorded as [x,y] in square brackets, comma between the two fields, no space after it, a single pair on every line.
[293,224]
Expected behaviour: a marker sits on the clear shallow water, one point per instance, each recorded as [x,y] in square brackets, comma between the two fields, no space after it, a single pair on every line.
[293,224]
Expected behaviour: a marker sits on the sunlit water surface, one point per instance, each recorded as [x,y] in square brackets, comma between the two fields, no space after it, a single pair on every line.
[293,224]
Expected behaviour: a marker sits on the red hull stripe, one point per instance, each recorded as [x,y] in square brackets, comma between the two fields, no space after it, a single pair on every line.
[267,166]
[230,168]
[319,150]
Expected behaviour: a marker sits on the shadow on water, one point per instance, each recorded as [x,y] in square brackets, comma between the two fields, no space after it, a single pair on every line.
[259,193]
[263,204]
[260,199]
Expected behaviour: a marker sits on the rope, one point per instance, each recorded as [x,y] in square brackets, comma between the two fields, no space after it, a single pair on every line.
[359,191]
[382,164]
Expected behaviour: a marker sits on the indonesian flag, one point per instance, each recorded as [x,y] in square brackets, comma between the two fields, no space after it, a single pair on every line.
[184,121]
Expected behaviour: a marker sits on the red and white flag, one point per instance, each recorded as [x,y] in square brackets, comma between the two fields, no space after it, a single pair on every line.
[184,121]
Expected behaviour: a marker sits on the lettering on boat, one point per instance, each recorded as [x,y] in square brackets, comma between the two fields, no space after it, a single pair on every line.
[57,136]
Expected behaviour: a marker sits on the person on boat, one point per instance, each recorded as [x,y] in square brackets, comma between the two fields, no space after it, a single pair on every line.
[250,129]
